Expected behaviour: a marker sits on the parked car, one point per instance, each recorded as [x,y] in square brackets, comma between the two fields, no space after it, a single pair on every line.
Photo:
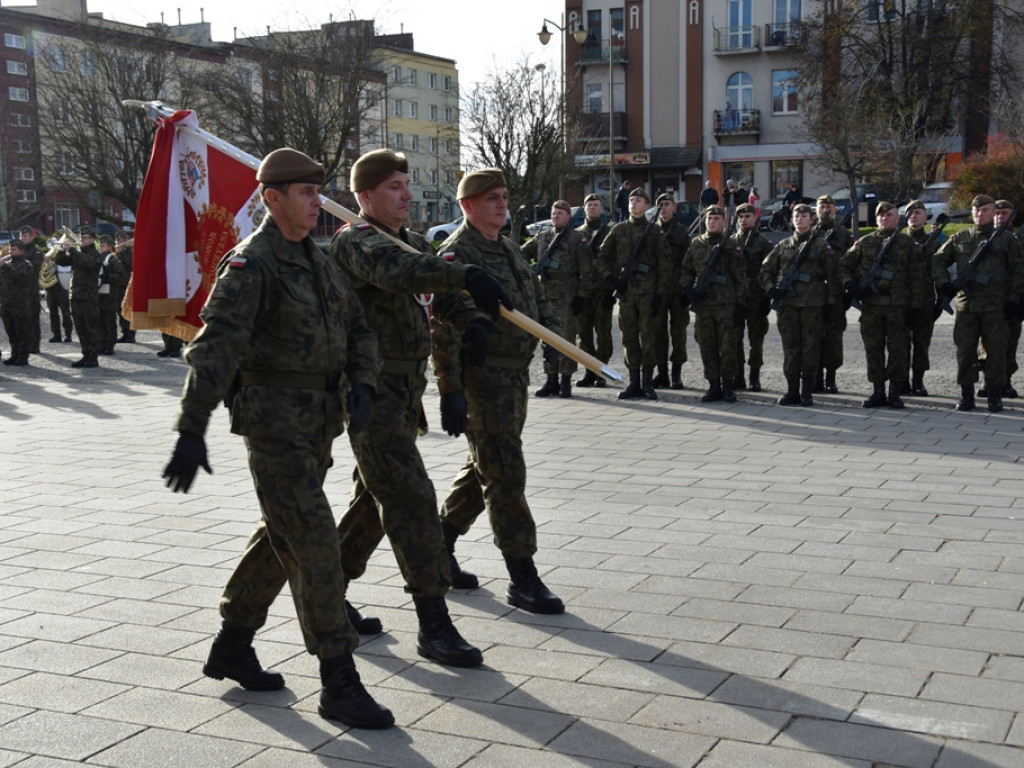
[686,212]
[936,200]
[871,194]
[443,231]
[578,216]
[772,216]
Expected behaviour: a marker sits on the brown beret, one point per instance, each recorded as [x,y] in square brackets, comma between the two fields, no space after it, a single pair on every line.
[981,200]
[665,196]
[914,205]
[1004,205]
[802,208]
[478,182]
[287,165]
[640,192]
[563,205]
[27,230]
[883,206]
[714,210]
[746,208]
[593,196]
[108,239]
[826,199]
[375,167]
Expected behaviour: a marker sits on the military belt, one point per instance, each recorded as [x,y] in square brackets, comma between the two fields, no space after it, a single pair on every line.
[513,363]
[404,367]
[321,382]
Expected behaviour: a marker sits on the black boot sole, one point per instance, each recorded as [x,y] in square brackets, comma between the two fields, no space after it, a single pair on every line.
[549,607]
[385,720]
[275,682]
[473,658]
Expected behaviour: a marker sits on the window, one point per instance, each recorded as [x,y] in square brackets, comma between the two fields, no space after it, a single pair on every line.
[741,32]
[414,109]
[447,83]
[87,63]
[57,57]
[415,175]
[449,114]
[616,20]
[17,67]
[784,173]
[784,92]
[25,174]
[65,163]
[14,41]
[433,112]
[594,100]
[21,120]
[396,74]
[244,78]
[398,108]
[22,147]
[371,134]
[66,215]
[739,92]
[451,178]
[414,143]
[61,110]
[413,77]
[787,11]
[433,177]
[397,141]
[17,94]
[26,195]
[594,27]
[432,80]
[433,145]
[453,146]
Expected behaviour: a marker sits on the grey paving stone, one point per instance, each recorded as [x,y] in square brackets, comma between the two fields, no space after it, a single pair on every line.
[789,641]
[496,723]
[71,737]
[155,748]
[711,719]
[953,720]
[913,656]
[57,693]
[632,745]
[578,699]
[857,676]
[981,692]
[965,754]
[862,742]
[731,754]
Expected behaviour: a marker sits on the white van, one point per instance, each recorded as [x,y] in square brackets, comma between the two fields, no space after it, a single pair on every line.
[936,200]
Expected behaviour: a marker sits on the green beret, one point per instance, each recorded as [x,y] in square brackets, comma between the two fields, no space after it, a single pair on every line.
[714,210]
[1004,205]
[914,205]
[562,205]
[640,192]
[593,197]
[665,196]
[478,182]
[826,199]
[883,206]
[108,239]
[745,208]
[287,165]
[375,167]
[981,200]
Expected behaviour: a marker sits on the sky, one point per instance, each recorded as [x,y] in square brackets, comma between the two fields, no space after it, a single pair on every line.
[479,35]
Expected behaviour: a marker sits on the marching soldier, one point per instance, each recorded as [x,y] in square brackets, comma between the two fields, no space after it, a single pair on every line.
[751,248]
[594,323]
[125,253]
[674,318]
[18,283]
[883,272]
[35,258]
[634,262]
[113,281]
[801,280]
[926,245]
[86,263]
[1004,213]
[719,306]
[566,272]
[838,240]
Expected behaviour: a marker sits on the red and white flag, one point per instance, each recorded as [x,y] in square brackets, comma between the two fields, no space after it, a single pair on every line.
[196,204]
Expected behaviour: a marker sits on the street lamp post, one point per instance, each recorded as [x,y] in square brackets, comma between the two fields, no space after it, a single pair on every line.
[579,34]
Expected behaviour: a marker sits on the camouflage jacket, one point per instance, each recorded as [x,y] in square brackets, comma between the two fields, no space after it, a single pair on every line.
[678,240]
[570,272]
[818,283]
[750,249]
[395,286]
[729,284]
[838,240]
[17,283]
[511,347]
[999,278]
[653,274]
[85,271]
[925,256]
[595,232]
[284,336]
[899,284]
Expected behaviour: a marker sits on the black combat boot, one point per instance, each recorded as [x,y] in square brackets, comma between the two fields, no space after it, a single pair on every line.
[55,339]
[346,700]
[21,359]
[739,383]
[1008,390]
[895,389]
[917,384]
[232,656]
[647,384]
[792,396]
[589,379]
[994,397]
[905,388]
[661,380]
[728,389]
[438,639]
[714,393]
[755,379]
[633,390]
[460,579]
[565,386]
[527,591]
[364,625]
[966,401]
[877,398]
[830,382]
[818,381]
[550,386]
[80,363]
[677,375]
[807,391]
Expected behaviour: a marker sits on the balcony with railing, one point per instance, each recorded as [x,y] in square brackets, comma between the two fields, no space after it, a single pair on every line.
[737,39]
[594,125]
[593,52]
[787,35]
[737,122]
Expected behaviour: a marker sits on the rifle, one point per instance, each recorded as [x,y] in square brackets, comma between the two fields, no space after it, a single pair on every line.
[940,223]
[870,280]
[627,276]
[788,283]
[969,273]
[545,262]
[702,287]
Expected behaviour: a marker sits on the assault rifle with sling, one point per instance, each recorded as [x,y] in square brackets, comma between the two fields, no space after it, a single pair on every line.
[703,285]
[627,276]
[969,274]
[877,271]
[793,276]
[546,262]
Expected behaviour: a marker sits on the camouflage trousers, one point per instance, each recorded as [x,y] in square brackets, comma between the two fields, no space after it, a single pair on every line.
[1013,328]
[920,334]
[392,494]
[757,328]
[639,330]
[567,329]
[297,543]
[59,306]
[800,329]
[494,476]
[991,329]
[716,334]
[594,324]
[832,339]
[86,315]
[885,329]
[673,320]
[17,325]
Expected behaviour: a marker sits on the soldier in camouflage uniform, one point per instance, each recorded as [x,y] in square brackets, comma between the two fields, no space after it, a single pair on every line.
[1004,212]
[674,317]
[815,290]
[563,264]
[750,248]
[594,324]
[985,304]
[125,253]
[35,258]
[926,244]
[720,307]
[392,493]
[113,282]
[838,240]
[17,284]
[85,264]
[641,292]
[891,301]
[488,402]
[286,345]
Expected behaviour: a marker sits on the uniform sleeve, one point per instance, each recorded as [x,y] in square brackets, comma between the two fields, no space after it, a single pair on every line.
[664,262]
[607,257]
[768,276]
[584,267]
[370,257]
[688,270]
[848,271]
[362,362]
[531,249]
[832,280]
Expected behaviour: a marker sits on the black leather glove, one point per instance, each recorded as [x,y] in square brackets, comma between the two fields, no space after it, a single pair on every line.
[577,305]
[360,407]
[189,455]
[1010,311]
[476,340]
[656,305]
[550,354]
[912,316]
[453,413]
[948,290]
[847,299]
[739,314]
[764,307]
[774,294]
[936,311]
[486,292]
